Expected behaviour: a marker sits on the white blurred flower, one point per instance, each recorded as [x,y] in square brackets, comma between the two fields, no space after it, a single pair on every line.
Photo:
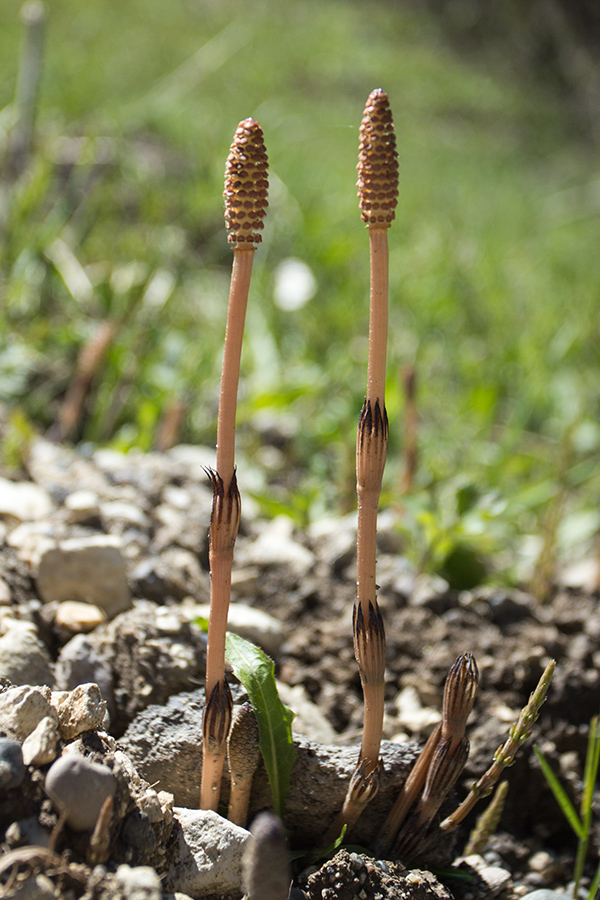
[295,284]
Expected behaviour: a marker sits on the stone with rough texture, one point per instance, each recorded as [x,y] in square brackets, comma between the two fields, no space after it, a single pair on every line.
[354,875]
[79,710]
[139,882]
[41,746]
[207,859]
[79,788]
[24,501]
[91,570]
[12,765]
[253,624]
[23,657]
[23,708]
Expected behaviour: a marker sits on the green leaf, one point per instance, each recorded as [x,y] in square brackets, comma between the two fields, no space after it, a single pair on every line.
[257,674]
[560,795]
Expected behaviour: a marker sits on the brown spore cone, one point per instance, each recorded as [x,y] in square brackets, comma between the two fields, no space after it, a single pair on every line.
[377,163]
[246,186]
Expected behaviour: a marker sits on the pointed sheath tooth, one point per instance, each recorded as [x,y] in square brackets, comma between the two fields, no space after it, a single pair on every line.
[449,759]
[246,186]
[377,163]
[369,643]
[364,785]
[216,720]
[459,695]
[226,511]
[371,445]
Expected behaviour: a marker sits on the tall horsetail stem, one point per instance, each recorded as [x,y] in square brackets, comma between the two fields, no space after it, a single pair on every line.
[378,194]
[245,193]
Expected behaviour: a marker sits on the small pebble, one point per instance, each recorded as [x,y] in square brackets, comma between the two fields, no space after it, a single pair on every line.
[41,746]
[139,883]
[12,767]
[78,617]
[544,894]
[79,710]
[79,788]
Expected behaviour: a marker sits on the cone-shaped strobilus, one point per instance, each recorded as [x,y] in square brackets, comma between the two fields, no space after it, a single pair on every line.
[246,187]
[378,194]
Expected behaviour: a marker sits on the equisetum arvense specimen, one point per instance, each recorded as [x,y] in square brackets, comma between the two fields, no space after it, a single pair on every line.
[246,188]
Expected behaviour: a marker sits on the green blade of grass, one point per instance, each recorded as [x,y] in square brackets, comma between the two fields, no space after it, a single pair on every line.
[595,885]
[560,795]
[256,671]
[592,760]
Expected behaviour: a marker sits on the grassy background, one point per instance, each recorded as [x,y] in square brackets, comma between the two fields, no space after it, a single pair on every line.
[495,269]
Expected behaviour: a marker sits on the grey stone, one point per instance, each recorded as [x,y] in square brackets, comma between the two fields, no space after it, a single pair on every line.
[276,546]
[41,746]
[23,657]
[12,767]
[207,859]
[79,710]
[79,789]
[81,662]
[253,624]
[87,569]
[23,708]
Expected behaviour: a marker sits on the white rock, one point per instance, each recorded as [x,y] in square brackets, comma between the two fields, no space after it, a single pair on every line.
[308,720]
[79,710]
[139,882]
[496,878]
[411,712]
[24,501]
[208,858]
[23,708]
[253,624]
[276,546]
[82,505]
[120,511]
[78,618]
[41,746]
[91,570]
[31,540]
[23,657]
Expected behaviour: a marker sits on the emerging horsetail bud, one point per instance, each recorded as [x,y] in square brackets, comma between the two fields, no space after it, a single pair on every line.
[459,695]
[265,865]
[377,163]
[244,754]
[246,185]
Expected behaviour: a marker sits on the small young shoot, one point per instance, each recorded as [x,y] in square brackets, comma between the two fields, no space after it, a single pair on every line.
[504,755]
[439,765]
[378,194]
[243,753]
[245,194]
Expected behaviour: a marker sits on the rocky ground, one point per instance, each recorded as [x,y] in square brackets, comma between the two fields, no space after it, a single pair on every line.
[103,572]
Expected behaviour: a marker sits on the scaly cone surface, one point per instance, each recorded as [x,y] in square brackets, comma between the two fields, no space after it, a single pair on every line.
[246,189]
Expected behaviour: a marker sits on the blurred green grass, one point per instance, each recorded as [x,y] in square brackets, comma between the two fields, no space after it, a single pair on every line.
[495,271]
